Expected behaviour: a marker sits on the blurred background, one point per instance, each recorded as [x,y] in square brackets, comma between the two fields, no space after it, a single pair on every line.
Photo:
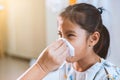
[28,26]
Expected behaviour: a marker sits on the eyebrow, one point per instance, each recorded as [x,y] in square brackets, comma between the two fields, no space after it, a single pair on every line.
[67,32]
[70,31]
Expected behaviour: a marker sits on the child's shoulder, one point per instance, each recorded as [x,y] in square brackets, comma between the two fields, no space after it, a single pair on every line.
[112,70]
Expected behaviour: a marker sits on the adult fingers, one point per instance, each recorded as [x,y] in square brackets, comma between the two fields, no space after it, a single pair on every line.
[65,54]
[61,49]
[57,44]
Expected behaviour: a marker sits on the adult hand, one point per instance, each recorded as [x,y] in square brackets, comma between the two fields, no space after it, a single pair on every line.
[53,56]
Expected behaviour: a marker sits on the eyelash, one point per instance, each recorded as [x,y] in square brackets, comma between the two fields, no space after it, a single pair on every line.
[70,35]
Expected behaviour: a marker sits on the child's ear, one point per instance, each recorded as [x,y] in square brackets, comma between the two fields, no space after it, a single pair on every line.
[94,38]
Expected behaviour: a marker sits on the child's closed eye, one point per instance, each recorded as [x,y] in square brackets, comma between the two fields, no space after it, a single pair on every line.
[70,35]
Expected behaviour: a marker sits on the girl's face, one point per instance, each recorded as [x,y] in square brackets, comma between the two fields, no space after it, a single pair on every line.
[76,36]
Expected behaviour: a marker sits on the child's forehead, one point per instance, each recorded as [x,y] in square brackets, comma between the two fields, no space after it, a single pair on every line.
[64,21]
[69,28]
[66,25]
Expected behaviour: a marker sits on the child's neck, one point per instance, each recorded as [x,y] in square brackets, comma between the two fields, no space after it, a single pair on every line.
[84,64]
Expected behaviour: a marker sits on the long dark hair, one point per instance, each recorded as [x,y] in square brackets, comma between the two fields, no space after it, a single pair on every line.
[89,18]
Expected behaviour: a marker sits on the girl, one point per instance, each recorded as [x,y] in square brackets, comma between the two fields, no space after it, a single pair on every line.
[82,26]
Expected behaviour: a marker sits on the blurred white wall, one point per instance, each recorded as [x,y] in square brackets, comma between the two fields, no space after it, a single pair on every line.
[51,26]
[114,8]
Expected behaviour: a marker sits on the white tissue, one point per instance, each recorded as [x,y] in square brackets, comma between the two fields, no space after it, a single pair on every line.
[71,50]
[70,47]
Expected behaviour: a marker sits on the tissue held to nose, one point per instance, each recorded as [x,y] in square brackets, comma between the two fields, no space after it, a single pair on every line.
[71,49]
